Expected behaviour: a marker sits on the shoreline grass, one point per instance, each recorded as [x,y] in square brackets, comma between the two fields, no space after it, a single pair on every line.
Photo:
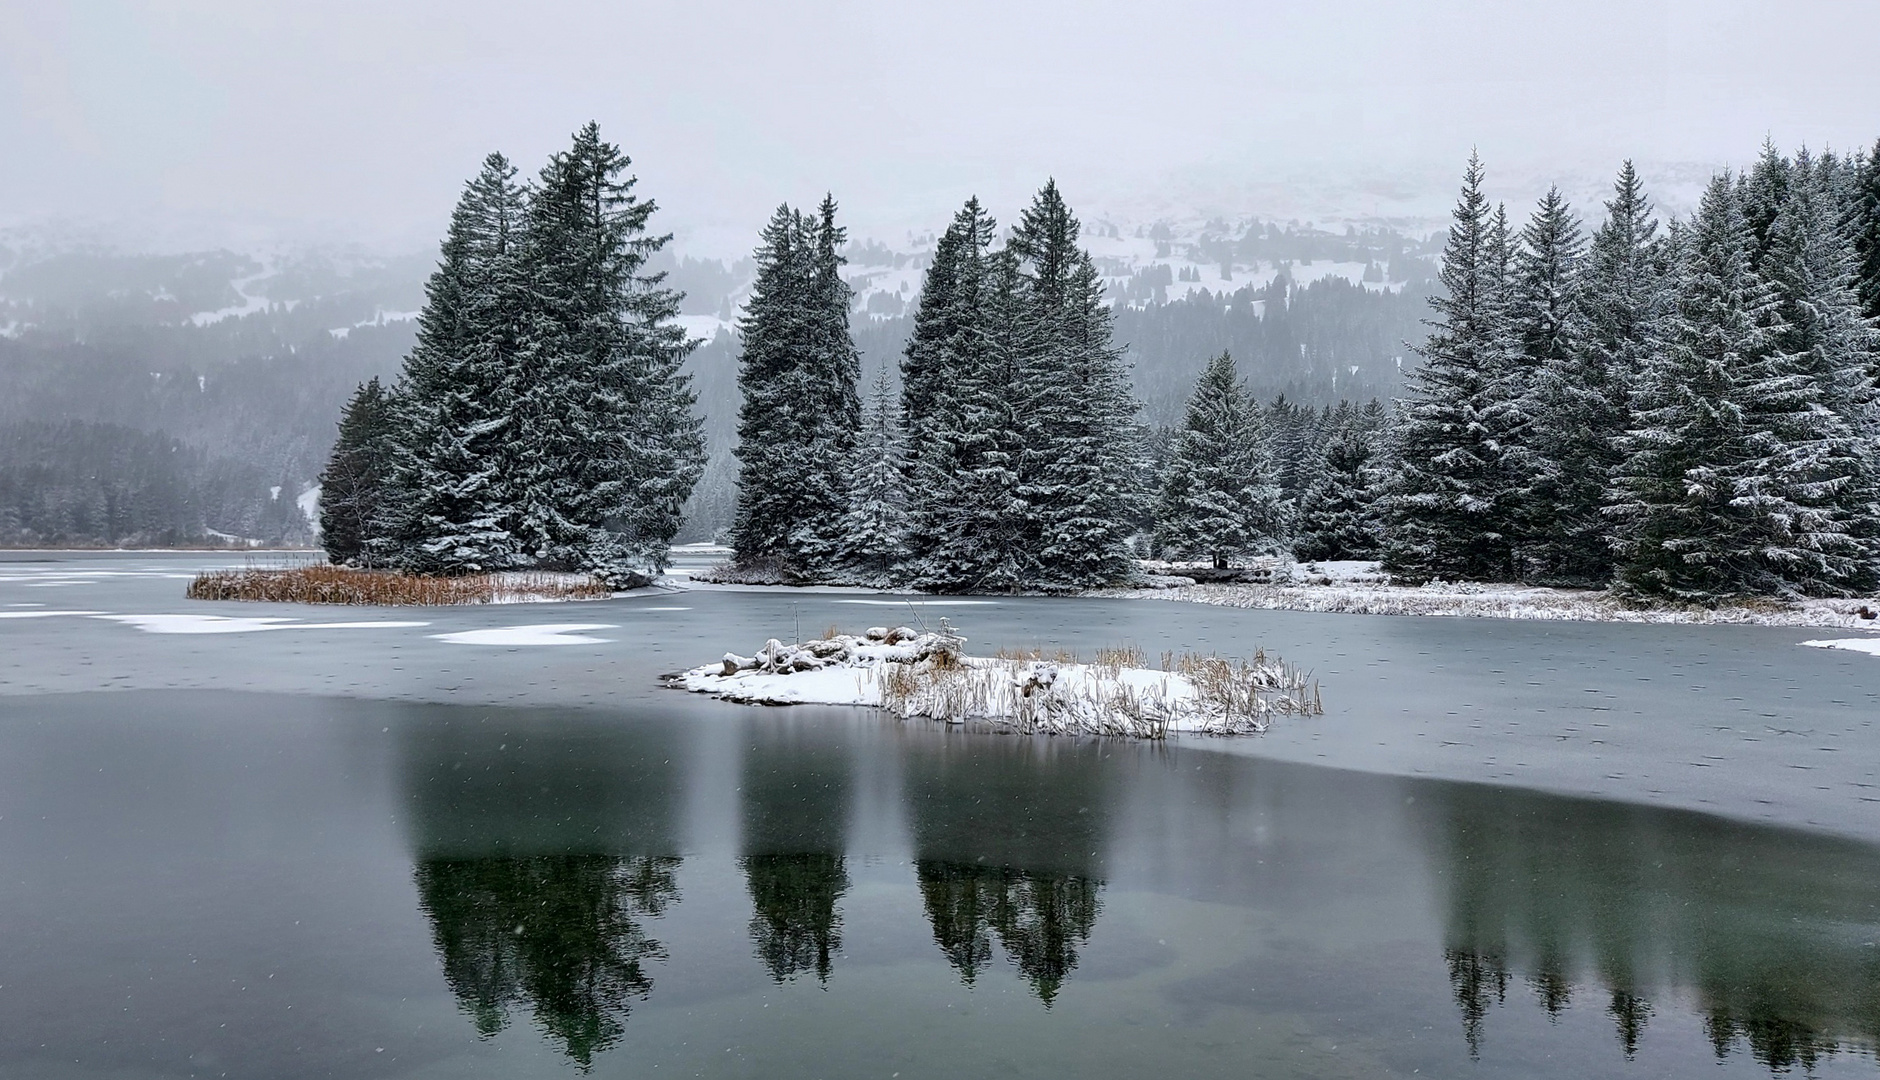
[323,584]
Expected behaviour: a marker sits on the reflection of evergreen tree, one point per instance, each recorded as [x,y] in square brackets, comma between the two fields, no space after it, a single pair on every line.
[797,927]
[1755,923]
[959,898]
[796,809]
[560,933]
[1629,1013]
[1473,978]
[1041,919]
[1006,836]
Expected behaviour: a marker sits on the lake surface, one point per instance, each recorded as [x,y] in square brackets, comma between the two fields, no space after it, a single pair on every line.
[292,850]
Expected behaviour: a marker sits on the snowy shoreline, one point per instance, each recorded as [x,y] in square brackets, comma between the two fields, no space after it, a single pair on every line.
[1359,589]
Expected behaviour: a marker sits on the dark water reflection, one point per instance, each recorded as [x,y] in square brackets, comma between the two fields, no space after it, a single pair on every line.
[355,889]
[1770,936]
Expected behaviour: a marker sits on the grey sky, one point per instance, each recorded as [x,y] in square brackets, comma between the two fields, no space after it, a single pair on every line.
[359,121]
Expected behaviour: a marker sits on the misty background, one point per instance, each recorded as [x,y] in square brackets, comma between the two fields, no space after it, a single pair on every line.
[216,219]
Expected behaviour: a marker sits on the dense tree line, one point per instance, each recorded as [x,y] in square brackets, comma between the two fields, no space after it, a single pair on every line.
[80,483]
[1687,414]
[541,420]
[1022,463]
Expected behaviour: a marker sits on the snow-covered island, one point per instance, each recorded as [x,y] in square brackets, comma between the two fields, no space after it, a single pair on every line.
[927,674]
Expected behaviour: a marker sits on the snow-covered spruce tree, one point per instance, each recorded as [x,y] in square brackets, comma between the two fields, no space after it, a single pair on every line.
[1583,393]
[774,328]
[1681,531]
[1762,191]
[800,414]
[1865,229]
[874,533]
[985,428]
[1813,480]
[456,511]
[1341,515]
[1081,463]
[1562,534]
[1452,507]
[606,448]
[1222,496]
[833,370]
[354,486]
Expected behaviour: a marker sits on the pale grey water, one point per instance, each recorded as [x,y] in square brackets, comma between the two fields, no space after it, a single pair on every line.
[368,852]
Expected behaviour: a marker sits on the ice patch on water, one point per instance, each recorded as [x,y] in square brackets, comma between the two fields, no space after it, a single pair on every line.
[42,614]
[231,624]
[532,634]
[1868,645]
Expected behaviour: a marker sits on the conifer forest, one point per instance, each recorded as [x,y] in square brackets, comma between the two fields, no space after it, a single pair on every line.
[1679,409]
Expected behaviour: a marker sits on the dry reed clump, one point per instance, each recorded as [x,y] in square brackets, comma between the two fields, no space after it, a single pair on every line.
[1118,694]
[322,584]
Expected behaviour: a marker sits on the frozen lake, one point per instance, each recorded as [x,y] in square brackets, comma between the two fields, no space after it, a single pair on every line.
[286,842]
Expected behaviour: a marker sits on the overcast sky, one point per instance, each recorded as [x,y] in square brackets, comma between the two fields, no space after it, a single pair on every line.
[359,122]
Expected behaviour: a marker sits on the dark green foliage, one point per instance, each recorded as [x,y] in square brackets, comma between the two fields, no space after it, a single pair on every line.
[606,447]
[1865,229]
[1080,469]
[356,483]
[83,484]
[801,412]
[454,473]
[1221,497]
[1453,511]
[1341,515]
[1680,533]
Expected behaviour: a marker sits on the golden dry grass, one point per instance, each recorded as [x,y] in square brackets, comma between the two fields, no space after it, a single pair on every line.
[322,584]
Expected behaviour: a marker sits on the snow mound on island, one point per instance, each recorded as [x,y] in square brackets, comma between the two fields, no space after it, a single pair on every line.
[927,675]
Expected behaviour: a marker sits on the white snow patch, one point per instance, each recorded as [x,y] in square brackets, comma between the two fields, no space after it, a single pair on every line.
[42,614]
[229,624]
[1870,646]
[533,634]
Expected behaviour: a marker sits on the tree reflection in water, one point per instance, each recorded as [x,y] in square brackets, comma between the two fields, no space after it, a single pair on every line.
[1007,837]
[1767,933]
[541,848]
[560,934]
[797,790]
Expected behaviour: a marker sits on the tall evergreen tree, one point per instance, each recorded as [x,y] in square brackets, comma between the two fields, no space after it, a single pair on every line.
[1081,463]
[608,448]
[1812,481]
[973,533]
[1682,533]
[1452,510]
[801,410]
[770,377]
[355,484]
[1865,227]
[456,510]
[1222,495]
[1565,415]
[875,529]
[1341,515]
[1762,191]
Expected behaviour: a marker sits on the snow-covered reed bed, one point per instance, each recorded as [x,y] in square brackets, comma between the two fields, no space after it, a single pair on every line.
[913,674]
[322,584]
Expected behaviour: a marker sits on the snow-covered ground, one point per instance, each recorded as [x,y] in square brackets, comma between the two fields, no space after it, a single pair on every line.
[1360,588]
[926,675]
